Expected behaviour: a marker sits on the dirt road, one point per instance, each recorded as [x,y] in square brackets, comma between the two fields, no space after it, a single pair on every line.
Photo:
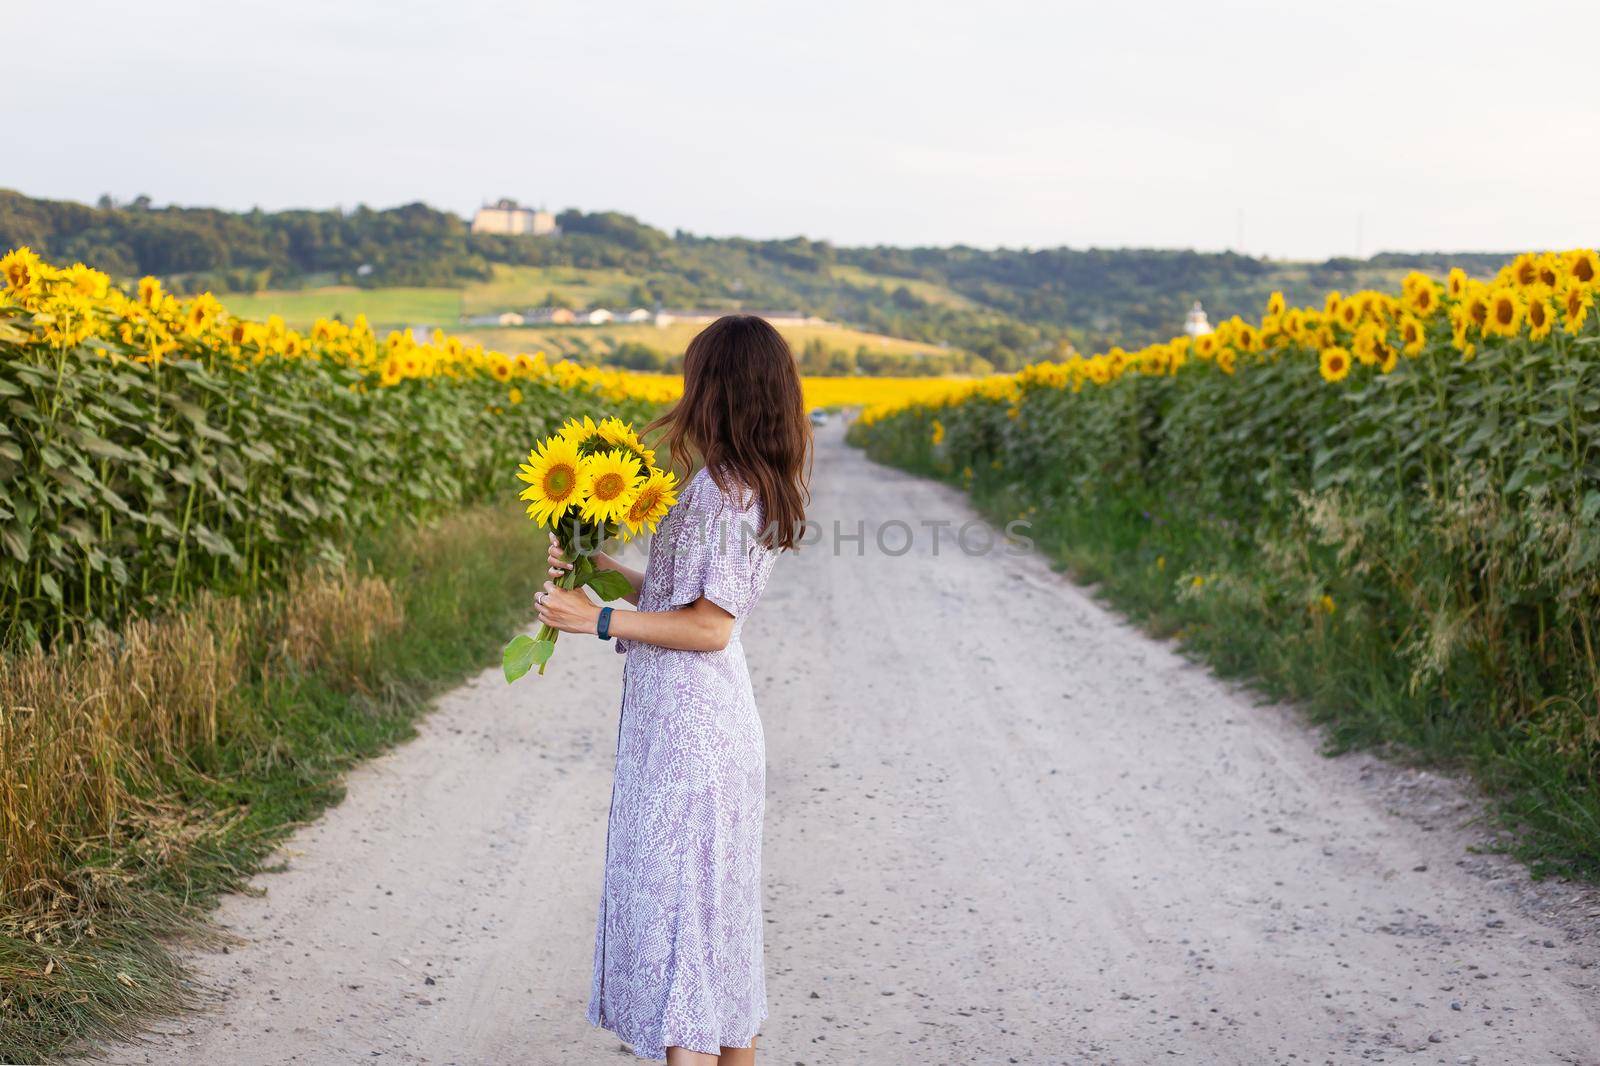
[1002,827]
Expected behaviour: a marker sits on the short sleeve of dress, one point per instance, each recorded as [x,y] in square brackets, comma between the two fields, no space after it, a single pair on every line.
[716,550]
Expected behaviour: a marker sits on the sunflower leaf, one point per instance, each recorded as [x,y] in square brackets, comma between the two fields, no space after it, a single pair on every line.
[609,584]
[517,659]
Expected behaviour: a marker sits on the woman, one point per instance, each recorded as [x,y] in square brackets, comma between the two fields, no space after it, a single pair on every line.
[677,960]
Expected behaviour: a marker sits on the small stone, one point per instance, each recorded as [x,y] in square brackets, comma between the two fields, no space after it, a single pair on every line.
[1549,943]
[1436,1037]
[1455,1004]
[1420,869]
[429,981]
[815,996]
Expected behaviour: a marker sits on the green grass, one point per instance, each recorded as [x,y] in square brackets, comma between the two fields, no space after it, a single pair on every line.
[516,288]
[217,816]
[932,292]
[384,308]
[1142,555]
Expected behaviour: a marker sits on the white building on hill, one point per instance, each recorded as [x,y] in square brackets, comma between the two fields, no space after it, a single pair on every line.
[509,218]
[1196,324]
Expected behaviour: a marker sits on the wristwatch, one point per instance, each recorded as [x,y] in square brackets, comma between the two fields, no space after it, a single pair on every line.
[602,628]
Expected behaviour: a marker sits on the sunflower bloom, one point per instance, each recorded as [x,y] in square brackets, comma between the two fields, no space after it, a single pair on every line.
[1423,297]
[1575,303]
[556,479]
[87,282]
[1505,312]
[1524,269]
[579,433]
[613,478]
[150,291]
[1368,344]
[1551,270]
[1275,304]
[1478,309]
[21,270]
[1583,266]
[1413,335]
[1334,364]
[1456,283]
[1387,357]
[1541,317]
[616,432]
[655,497]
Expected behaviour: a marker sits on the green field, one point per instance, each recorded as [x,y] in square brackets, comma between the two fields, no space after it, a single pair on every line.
[932,292]
[384,308]
[517,288]
[672,340]
[513,288]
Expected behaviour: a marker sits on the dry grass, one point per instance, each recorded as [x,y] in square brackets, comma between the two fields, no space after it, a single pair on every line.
[87,730]
[81,725]
[331,622]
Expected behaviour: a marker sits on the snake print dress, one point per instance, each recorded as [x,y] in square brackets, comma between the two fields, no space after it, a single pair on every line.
[677,958]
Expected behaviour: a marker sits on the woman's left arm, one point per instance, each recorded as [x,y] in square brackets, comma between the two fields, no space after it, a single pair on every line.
[701,626]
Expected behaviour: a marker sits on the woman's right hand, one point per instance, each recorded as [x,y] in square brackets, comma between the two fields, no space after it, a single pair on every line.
[558,559]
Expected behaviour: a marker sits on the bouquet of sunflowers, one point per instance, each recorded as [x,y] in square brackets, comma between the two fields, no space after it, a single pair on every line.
[588,484]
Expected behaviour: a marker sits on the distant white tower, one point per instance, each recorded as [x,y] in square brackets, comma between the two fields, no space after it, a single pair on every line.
[1196,324]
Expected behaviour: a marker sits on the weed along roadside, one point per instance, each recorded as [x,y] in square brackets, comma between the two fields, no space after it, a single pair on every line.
[1384,507]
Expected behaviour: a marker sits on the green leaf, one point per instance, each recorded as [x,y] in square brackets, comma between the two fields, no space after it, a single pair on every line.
[608,584]
[517,659]
[542,650]
[15,542]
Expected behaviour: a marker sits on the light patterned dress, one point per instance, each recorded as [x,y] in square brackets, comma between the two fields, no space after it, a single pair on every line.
[677,958]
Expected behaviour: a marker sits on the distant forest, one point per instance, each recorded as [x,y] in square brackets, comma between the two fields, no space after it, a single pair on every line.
[1008,306]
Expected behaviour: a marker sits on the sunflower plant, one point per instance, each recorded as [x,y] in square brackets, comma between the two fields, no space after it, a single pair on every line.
[587,484]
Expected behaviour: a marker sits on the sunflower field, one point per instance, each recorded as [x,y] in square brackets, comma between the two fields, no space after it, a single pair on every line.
[234,559]
[153,446]
[1387,506]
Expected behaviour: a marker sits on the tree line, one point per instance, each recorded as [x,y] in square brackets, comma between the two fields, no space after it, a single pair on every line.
[1012,306]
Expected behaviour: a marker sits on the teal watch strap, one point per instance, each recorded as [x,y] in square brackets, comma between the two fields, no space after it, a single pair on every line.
[602,628]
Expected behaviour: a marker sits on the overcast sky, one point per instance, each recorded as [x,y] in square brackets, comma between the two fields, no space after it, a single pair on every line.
[1284,129]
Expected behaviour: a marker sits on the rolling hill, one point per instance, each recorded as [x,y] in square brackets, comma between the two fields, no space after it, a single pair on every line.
[957,308]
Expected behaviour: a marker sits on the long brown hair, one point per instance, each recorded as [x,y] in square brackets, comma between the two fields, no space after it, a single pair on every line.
[742,413]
